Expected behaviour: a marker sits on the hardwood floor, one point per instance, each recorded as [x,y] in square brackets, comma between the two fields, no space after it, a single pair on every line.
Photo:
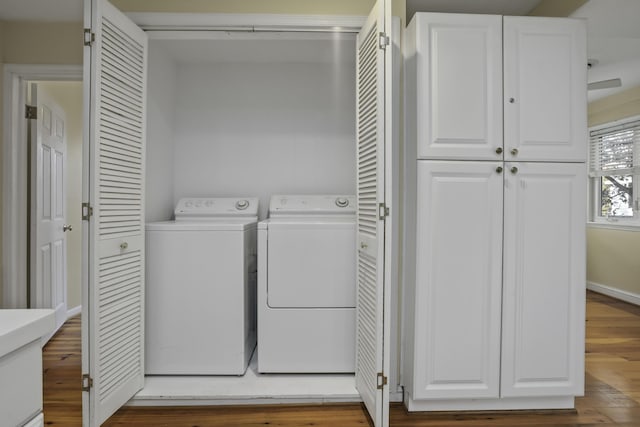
[612,395]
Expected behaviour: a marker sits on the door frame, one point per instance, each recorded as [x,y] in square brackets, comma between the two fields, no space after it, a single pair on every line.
[15,213]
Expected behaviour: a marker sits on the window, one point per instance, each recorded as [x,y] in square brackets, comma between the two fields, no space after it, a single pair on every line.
[615,172]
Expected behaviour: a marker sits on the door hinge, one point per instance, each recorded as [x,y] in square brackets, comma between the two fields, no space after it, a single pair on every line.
[383,41]
[383,211]
[30,112]
[89,37]
[382,380]
[87,382]
[87,211]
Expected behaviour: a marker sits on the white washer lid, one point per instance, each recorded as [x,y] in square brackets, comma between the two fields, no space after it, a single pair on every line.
[314,205]
[209,208]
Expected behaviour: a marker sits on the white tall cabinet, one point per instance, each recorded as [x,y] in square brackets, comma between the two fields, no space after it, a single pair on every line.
[495,222]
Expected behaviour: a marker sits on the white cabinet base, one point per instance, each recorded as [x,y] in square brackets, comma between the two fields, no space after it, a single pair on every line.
[514,403]
[38,421]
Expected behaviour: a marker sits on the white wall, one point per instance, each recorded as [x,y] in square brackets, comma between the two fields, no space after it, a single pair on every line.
[256,129]
[160,120]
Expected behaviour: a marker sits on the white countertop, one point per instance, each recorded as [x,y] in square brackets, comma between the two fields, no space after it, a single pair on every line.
[19,327]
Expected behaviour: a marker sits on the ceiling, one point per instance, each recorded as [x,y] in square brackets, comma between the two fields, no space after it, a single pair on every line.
[495,7]
[612,26]
[613,39]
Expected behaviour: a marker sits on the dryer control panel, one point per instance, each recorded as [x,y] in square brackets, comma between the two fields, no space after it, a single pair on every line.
[281,205]
[203,208]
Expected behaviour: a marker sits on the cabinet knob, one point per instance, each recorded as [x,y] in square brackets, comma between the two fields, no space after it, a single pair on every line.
[514,151]
[514,170]
[499,150]
[499,169]
[363,245]
[124,245]
[512,100]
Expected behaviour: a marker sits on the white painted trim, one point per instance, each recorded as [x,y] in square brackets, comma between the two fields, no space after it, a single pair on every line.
[614,226]
[616,293]
[136,401]
[74,311]
[14,182]
[395,396]
[499,404]
[246,22]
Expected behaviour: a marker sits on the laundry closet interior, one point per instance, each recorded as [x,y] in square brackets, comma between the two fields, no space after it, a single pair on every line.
[247,114]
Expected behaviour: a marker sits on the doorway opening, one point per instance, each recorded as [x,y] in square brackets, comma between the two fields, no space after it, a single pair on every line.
[42,189]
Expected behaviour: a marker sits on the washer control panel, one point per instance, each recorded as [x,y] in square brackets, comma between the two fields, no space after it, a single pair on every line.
[202,208]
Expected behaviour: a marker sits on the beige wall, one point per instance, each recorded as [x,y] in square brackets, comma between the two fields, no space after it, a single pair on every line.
[42,43]
[68,95]
[615,107]
[612,258]
[296,7]
[36,43]
[558,8]
[612,255]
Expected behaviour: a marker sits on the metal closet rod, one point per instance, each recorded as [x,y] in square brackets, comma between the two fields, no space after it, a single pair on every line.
[255,29]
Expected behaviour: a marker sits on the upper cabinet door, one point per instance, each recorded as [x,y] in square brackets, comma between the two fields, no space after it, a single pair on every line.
[454,82]
[545,89]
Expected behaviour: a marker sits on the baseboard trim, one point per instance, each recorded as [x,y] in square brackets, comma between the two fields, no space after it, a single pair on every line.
[616,293]
[74,311]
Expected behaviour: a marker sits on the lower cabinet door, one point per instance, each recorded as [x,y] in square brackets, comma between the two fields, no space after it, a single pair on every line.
[544,279]
[458,279]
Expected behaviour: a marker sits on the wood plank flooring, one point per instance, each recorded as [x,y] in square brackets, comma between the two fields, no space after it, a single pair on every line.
[612,395]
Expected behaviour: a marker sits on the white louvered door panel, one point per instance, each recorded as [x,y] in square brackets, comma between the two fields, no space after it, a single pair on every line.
[116,229]
[370,130]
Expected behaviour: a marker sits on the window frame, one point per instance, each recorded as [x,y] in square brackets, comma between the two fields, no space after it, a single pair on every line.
[595,207]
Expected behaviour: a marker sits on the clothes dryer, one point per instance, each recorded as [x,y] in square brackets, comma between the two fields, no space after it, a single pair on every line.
[201,288]
[307,285]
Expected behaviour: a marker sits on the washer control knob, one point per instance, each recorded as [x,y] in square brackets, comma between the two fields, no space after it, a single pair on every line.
[242,205]
[342,202]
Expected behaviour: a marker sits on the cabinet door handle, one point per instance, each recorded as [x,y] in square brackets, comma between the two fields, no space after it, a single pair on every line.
[514,151]
[124,245]
[499,169]
[512,100]
[514,170]
[499,150]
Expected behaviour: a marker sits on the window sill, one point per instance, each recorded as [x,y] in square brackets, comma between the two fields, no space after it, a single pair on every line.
[614,226]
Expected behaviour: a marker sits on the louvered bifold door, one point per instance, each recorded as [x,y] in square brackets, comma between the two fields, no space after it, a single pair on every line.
[370,131]
[116,228]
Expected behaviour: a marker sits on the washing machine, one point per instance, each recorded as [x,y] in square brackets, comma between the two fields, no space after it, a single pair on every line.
[307,285]
[201,288]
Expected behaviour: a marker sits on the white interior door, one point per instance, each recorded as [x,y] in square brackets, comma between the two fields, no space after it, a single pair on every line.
[372,314]
[48,271]
[113,309]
